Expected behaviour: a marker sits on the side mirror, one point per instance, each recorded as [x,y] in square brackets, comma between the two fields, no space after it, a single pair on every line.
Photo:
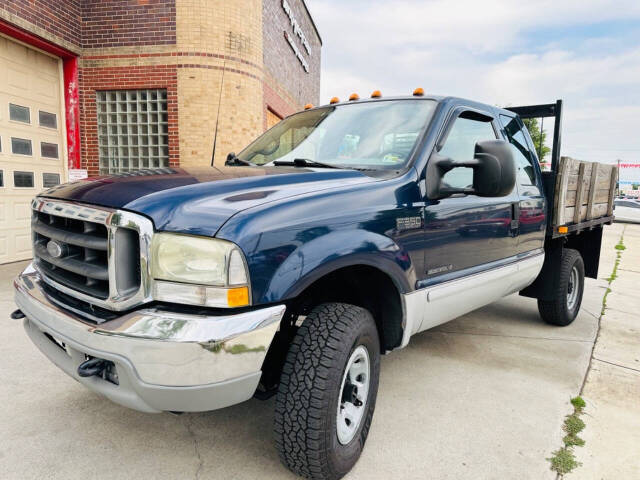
[494,172]
[231,157]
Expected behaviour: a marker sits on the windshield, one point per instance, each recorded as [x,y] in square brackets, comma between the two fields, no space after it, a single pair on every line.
[371,135]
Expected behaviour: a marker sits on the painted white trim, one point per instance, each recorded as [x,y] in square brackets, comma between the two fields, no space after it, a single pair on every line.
[429,307]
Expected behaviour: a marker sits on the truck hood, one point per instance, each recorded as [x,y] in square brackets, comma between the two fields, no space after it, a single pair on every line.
[199,200]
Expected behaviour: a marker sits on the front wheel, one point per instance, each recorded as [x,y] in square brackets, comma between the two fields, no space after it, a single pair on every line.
[567,297]
[327,391]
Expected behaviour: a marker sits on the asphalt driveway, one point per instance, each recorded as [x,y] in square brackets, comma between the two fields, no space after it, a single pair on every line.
[480,397]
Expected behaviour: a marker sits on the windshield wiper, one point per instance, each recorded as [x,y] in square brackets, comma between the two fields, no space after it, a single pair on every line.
[304,162]
[232,160]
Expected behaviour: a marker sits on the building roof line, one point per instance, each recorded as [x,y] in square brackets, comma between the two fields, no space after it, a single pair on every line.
[312,21]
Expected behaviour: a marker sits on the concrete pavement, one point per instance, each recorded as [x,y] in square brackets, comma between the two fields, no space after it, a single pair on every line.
[612,388]
[482,396]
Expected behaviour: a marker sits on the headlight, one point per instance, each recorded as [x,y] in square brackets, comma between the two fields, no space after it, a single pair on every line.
[198,270]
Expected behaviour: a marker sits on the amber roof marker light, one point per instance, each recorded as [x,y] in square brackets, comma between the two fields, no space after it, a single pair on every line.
[334,100]
[418,92]
[308,106]
[353,97]
[376,94]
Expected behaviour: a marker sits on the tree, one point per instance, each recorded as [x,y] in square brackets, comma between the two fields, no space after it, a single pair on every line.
[539,138]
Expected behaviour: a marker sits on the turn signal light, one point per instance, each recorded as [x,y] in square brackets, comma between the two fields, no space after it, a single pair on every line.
[354,96]
[563,229]
[418,92]
[376,94]
[238,297]
[308,106]
[334,100]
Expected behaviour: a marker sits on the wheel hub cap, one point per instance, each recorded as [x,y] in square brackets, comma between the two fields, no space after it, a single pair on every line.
[573,288]
[353,395]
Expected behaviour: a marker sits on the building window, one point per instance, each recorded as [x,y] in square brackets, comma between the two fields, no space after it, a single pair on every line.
[48,150]
[272,118]
[133,130]
[23,179]
[47,119]
[21,146]
[1,178]
[18,113]
[50,179]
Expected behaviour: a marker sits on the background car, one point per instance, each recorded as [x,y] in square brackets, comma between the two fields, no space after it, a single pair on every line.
[627,211]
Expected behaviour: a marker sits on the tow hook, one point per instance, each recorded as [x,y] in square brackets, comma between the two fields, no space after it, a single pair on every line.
[93,366]
[17,314]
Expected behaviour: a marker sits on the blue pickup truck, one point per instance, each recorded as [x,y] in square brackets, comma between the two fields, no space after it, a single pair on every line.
[330,240]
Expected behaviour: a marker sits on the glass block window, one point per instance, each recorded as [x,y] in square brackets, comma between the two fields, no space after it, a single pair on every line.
[48,150]
[23,179]
[47,119]
[21,146]
[18,113]
[50,179]
[133,130]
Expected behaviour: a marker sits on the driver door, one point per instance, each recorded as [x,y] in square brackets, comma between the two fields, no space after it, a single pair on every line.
[467,237]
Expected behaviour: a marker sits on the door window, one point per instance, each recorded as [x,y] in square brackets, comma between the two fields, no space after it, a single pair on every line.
[23,179]
[461,145]
[21,146]
[524,159]
[47,119]
[18,113]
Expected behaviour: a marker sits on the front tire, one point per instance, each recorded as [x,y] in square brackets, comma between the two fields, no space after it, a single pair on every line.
[567,297]
[327,392]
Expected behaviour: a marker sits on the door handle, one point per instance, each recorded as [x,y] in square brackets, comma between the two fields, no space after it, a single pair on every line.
[515,215]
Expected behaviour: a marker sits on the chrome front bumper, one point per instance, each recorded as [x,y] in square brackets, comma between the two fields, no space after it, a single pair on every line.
[165,361]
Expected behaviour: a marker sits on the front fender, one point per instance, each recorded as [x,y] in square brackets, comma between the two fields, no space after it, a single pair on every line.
[338,249]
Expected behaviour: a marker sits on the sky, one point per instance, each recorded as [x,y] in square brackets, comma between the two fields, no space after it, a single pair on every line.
[504,53]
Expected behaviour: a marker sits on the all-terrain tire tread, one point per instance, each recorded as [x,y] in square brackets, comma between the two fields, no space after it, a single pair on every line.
[555,311]
[303,391]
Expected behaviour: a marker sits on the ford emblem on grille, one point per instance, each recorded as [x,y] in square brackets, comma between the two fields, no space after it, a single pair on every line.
[54,249]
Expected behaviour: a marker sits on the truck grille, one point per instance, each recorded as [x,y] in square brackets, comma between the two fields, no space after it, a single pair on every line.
[90,253]
[79,258]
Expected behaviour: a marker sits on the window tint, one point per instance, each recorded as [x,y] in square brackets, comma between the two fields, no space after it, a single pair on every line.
[23,179]
[461,145]
[526,175]
[47,119]
[18,113]
[48,150]
[50,179]
[21,146]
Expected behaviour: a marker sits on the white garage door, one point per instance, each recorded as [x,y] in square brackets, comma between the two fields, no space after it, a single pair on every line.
[31,142]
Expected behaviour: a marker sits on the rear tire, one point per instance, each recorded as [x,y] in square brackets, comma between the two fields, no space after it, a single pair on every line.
[564,307]
[327,392]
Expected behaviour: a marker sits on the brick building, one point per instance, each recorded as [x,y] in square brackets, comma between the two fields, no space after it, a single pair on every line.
[120,85]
